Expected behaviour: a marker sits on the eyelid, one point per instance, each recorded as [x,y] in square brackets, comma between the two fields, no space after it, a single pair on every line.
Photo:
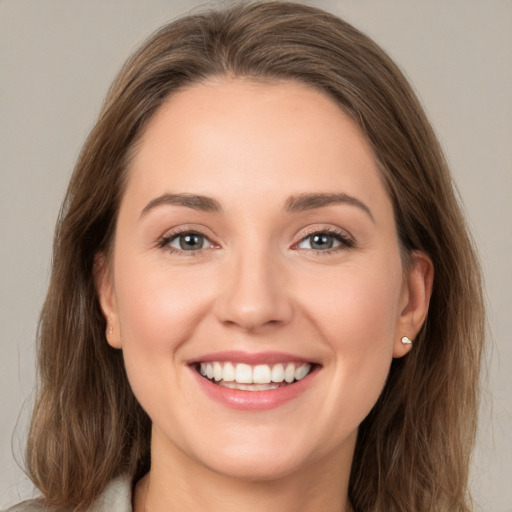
[347,241]
[171,234]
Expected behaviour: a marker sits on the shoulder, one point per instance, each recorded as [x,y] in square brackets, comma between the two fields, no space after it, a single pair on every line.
[28,506]
[117,497]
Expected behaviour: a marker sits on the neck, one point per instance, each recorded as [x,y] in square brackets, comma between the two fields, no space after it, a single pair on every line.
[176,483]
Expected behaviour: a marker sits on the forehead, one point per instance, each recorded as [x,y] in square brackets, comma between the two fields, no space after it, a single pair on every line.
[233,137]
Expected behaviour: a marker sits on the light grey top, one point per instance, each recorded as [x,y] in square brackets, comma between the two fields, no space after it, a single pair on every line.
[117,497]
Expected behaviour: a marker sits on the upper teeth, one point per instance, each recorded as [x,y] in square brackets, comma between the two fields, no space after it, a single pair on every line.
[258,374]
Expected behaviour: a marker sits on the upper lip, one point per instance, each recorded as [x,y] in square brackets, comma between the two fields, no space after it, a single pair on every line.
[251,358]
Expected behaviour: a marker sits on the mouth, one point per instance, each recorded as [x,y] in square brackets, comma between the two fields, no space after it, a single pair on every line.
[255,381]
[259,377]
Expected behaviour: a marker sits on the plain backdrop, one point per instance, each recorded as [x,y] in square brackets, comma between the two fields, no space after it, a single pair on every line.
[57,58]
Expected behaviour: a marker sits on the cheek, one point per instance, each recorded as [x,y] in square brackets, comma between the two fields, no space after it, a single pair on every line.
[157,307]
[355,313]
[357,307]
[158,312]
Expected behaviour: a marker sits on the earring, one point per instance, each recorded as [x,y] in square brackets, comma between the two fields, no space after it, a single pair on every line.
[406,341]
[109,330]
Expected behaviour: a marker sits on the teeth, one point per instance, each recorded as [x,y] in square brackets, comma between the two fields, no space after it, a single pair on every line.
[301,372]
[262,374]
[243,374]
[228,374]
[256,378]
[217,371]
[289,373]
[278,373]
[249,387]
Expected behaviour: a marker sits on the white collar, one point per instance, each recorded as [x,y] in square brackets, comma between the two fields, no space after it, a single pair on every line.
[117,497]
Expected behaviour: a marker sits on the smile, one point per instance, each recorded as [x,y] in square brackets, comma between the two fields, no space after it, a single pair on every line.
[260,377]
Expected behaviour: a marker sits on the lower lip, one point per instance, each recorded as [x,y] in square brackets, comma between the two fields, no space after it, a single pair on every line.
[255,400]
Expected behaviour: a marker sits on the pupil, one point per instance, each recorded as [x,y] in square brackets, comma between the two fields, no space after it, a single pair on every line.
[321,241]
[191,242]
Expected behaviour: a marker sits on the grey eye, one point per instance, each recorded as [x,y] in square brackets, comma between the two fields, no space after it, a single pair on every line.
[319,242]
[189,242]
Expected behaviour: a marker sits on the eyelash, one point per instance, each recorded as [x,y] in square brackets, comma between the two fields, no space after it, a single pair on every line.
[164,242]
[346,241]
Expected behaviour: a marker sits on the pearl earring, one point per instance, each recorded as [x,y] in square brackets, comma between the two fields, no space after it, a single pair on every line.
[110,330]
[406,340]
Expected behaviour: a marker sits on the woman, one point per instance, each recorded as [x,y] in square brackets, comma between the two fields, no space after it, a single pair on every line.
[263,292]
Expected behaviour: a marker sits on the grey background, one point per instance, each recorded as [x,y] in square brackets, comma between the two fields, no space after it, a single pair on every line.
[57,58]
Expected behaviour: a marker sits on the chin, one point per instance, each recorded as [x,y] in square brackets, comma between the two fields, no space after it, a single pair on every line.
[271,456]
[257,466]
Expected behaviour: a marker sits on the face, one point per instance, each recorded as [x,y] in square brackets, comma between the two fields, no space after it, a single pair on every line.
[256,287]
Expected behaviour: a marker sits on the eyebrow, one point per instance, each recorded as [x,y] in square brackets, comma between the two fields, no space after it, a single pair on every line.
[311,201]
[193,201]
[293,204]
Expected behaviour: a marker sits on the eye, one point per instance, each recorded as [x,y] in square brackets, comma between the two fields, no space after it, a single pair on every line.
[325,241]
[319,242]
[188,241]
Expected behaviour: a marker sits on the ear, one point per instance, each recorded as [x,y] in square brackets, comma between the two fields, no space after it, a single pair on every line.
[106,293]
[414,300]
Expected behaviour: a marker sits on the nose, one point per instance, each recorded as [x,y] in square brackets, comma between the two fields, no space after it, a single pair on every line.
[254,297]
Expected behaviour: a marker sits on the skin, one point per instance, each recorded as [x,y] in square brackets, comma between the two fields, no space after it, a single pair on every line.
[257,286]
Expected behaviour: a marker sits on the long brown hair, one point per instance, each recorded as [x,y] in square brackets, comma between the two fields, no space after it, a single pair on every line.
[413,449]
